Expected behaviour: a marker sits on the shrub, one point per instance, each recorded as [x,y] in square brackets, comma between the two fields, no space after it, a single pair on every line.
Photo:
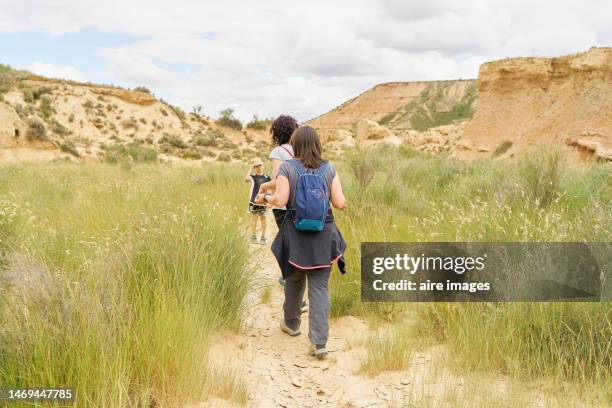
[59,129]
[227,119]
[71,118]
[143,89]
[28,95]
[259,124]
[88,104]
[178,112]
[36,129]
[502,148]
[130,123]
[224,157]
[68,146]
[40,91]
[191,154]
[119,153]
[173,140]
[541,174]
[46,107]
[210,138]
[363,165]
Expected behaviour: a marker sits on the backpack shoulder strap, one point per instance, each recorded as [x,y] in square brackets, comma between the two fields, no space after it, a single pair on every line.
[287,150]
[322,169]
[297,166]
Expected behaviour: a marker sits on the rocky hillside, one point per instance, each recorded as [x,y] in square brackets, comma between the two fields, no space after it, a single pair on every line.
[564,103]
[42,119]
[515,105]
[410,105]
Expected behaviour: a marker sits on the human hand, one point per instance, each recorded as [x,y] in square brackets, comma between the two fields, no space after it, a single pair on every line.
[259,199]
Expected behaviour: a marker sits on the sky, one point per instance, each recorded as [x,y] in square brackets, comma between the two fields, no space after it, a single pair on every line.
[270,57]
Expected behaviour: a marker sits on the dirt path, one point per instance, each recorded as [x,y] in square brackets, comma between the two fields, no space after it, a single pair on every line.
[280,373]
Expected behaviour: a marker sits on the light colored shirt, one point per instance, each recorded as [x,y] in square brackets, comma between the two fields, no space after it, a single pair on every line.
[283,153]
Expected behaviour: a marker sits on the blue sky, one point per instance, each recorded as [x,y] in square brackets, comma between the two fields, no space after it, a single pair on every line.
[78,49]
[273,57]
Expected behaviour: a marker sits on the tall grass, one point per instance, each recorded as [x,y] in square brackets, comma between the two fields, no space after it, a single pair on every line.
[416,197]
[115,279]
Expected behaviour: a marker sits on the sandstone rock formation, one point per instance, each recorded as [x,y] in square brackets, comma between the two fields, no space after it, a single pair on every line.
[396,102]
[533,102]
[87,121]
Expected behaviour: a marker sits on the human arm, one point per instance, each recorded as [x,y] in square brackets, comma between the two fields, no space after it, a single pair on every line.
[270,185]
[337,195]
[280,196]
[247,176]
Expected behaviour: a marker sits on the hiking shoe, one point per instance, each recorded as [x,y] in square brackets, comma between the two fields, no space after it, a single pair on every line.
[319,351]
[281,281]
[253,239]
[263,241]
[304,307]
[289,330]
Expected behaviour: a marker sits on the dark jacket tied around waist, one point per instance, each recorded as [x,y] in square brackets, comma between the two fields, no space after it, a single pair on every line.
[308,250]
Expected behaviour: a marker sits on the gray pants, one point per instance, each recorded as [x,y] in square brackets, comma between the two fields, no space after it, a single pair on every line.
[318,299]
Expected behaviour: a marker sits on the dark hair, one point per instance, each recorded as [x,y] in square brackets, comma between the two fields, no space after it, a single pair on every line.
[307,146]
[282,128]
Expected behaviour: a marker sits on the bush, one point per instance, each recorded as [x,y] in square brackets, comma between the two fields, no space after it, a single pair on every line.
[40,91]
[259,124]
[227,119]
[224,157]
[363,164]
[191,154]
[173,140]
[69,147]
[119,153]
[28,95]
[46,107]
[502,148]
[36,129]
[541,174]
[59,129]
[88,104]
[208,139]
[143,89]
[178,112]
[130,123]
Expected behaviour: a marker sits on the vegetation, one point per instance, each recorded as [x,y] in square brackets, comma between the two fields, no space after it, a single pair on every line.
[173,140]
[259,124]
[133,152]
[130,123]
[10,77]
[36,129]
[431,108]
[143,89]
[209,138]
[69,146]
[128,274]
[228,119]
[410,196]
[502,148]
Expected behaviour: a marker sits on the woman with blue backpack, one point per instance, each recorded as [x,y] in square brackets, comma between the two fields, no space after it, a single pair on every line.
[308,240]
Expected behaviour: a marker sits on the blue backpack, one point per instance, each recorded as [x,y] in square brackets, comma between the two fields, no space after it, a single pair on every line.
[311,197]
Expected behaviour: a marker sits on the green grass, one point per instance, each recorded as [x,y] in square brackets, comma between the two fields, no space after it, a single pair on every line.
[416,197]
[114,279]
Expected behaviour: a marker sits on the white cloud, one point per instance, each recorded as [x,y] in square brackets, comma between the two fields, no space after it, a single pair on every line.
[304,58]
[56,71]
